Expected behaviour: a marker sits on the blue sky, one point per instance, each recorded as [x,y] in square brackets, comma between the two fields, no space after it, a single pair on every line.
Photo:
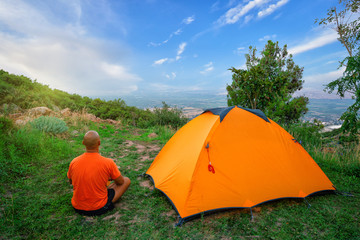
[152,47]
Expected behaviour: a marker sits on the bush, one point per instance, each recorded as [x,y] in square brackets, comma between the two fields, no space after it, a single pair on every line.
[51,125]
[308,134]
[167,116]
[9,108]
[5,124]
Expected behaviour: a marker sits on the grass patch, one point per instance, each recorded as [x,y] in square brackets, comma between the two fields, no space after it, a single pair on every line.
[35,194]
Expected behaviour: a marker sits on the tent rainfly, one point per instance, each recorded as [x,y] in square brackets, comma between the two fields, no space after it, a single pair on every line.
[233,158]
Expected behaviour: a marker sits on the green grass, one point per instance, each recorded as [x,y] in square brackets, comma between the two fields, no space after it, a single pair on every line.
[35,200]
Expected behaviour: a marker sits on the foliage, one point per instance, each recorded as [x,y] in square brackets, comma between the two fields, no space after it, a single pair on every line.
[348,30]
[349,82]
[5,124]
[9,108]
[346,27]
[307,133]
[48,124]
[20,92]
[169,116]
[268,83]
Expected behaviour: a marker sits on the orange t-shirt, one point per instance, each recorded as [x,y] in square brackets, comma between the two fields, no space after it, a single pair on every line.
[89,174]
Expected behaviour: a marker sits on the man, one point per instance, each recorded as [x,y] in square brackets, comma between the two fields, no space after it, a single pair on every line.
[89,174]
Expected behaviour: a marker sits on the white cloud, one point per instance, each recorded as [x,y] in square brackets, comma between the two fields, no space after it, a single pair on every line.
[186,21]
[246,10]
[332,61]
[248,18]
[270,9]
[189,20]
[240,51]
[208,68]
[177,32]
[314,84]
[60,53]
[326,37]
[214,6]
[171,77]
[181,49]
[267,37]
[160,61]
[160,87]
[234,14]
[324,78]
[117,71]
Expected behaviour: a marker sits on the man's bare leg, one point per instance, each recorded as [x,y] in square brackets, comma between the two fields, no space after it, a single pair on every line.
[119,189]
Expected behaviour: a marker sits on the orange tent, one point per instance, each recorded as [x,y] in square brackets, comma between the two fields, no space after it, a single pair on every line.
[233,158]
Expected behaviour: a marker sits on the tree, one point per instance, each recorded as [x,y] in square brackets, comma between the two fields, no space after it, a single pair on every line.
[347,26]
[268,84]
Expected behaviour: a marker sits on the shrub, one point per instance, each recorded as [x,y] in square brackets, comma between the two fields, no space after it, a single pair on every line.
[51,125]
[9,108]
[5,124]
[308,134]
[167,116]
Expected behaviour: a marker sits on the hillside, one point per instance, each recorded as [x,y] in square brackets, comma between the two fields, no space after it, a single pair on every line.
[19,93]
[37,145]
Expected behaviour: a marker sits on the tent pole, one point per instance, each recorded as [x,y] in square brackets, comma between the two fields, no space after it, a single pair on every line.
[180,223]
[309,205]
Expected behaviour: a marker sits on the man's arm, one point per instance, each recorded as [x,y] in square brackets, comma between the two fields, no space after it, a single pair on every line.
[119,181]
[70,181]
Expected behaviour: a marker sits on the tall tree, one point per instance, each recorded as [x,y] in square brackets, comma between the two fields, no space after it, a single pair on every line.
[345,20]
[268,84]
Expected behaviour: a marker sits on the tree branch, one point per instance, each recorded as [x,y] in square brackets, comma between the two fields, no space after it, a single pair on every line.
[339,30]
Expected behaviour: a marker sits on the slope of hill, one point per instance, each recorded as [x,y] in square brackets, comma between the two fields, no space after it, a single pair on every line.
[19,93]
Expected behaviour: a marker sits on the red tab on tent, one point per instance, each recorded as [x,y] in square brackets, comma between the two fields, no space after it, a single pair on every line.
[211,168]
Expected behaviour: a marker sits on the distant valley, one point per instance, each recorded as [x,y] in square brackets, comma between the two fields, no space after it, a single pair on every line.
[325,110]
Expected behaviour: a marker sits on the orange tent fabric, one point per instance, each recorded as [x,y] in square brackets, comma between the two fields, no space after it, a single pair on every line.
[233,158]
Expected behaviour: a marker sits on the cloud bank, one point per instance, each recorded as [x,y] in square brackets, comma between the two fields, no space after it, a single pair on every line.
[42,45]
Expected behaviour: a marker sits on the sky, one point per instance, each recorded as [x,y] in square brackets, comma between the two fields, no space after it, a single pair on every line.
[119,48]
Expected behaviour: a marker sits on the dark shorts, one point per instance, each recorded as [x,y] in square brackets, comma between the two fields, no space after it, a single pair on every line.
[108,206]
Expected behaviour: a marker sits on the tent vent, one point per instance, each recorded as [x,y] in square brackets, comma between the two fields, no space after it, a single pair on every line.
[222,112]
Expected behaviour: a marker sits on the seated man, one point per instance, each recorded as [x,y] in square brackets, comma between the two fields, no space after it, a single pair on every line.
[89,174]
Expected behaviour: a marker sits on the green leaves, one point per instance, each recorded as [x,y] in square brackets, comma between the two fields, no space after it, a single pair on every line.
[51,125]
[349,83]
[18,93]
[268,83]
[345,24]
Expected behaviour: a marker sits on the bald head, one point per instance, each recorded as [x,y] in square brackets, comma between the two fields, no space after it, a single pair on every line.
[91,140]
